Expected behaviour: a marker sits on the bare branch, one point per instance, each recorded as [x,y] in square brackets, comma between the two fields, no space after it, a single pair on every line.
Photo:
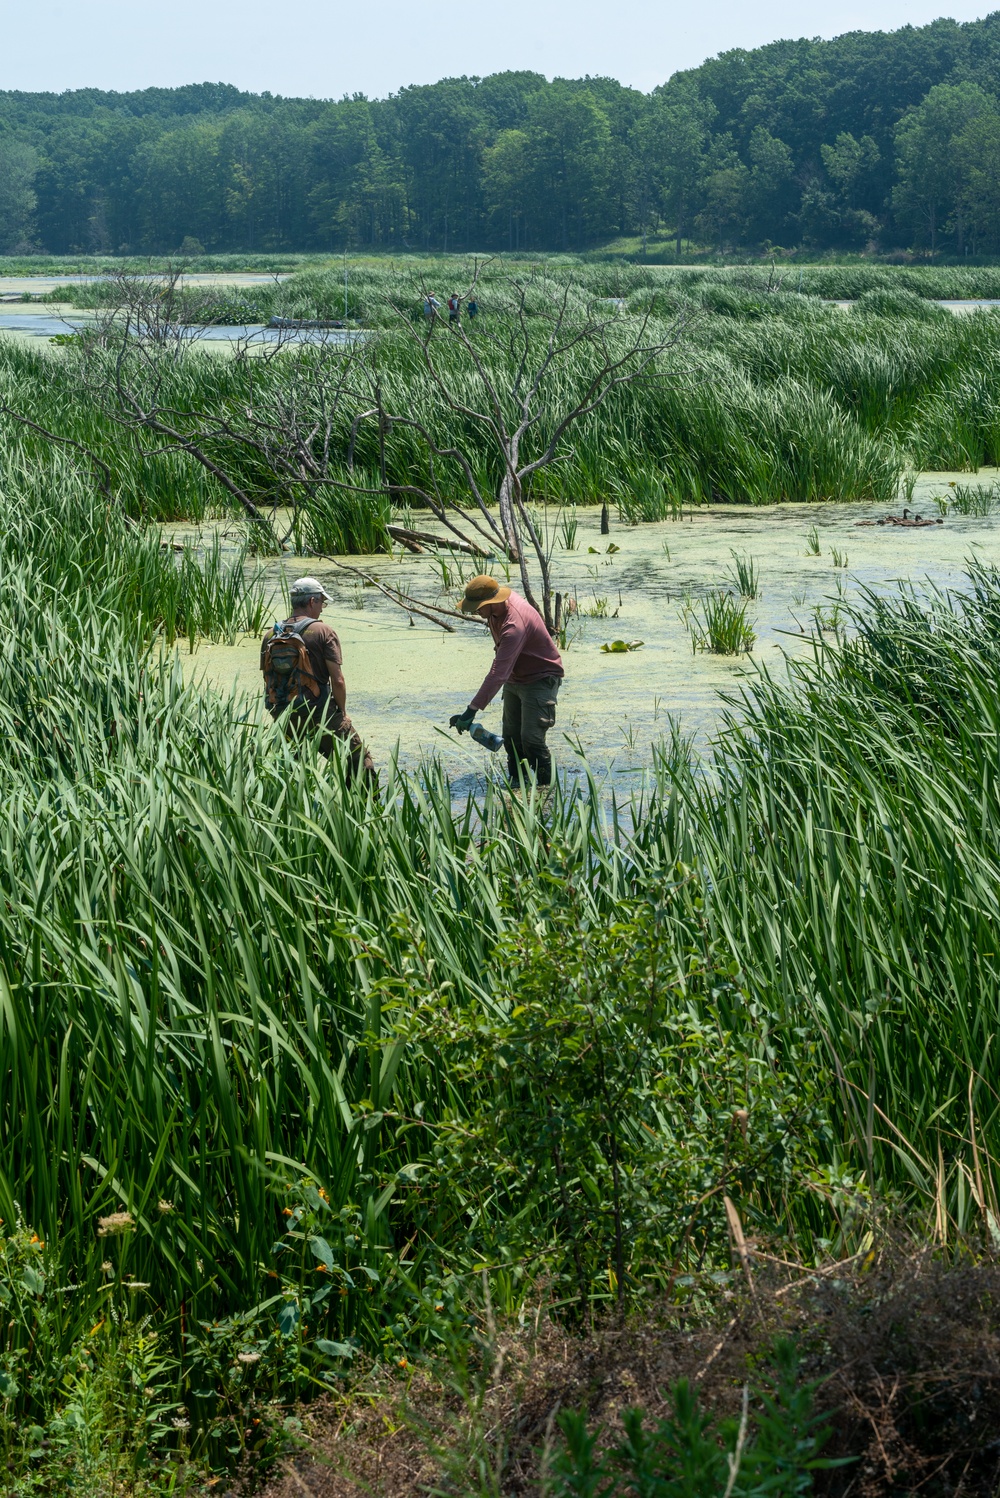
[411,605]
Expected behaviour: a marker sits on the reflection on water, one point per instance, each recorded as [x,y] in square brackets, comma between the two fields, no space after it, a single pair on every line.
[404,681]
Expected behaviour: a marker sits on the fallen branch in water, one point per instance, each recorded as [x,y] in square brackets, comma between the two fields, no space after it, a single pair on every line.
[413,540]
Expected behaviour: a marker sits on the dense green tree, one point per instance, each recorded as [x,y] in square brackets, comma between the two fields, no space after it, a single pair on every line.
[506,185]
[725,192]
[570,167]
[872,136]
[977,158]
[676,137]
[830,212]
[18,166]
[771,196]
[848,161]
[178,188]
[927,192]
[357,194]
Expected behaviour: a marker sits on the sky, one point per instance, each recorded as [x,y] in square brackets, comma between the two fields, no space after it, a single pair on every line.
[328,48]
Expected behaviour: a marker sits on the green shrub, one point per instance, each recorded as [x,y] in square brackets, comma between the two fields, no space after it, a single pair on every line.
[688,1455]
[603,1102]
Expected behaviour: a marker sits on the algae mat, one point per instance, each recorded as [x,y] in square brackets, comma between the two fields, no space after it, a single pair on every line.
[404,681]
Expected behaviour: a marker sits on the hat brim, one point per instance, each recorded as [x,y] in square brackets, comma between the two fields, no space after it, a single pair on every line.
[327,598]
[473,605]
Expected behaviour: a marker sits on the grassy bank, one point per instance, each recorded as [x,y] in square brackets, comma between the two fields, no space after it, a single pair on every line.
[197,264]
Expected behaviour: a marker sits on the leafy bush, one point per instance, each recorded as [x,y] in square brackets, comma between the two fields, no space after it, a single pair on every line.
[605,1104]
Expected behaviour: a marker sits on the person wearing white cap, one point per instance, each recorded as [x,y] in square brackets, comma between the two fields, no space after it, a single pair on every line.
[308,684]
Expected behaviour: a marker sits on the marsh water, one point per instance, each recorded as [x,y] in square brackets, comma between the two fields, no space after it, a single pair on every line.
[405,680]
[28,320]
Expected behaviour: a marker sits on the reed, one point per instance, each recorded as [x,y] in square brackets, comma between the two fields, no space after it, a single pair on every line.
[349,519]
[745,575]
[230,983]
[851,857]
[268,1026]
[772,395]
[972,499]
[722,626]
[568,526]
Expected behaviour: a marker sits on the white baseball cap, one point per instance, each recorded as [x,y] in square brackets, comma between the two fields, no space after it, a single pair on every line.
[309,587]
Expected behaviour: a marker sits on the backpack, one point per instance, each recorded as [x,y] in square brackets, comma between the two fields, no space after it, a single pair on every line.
[289,678]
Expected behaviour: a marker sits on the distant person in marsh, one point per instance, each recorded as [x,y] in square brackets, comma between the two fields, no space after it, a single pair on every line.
[302,664]
[454,307]
[431,306]
[529,668]
[472,309]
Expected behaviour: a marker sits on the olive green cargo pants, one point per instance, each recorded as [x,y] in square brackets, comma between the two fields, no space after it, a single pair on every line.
[529,711]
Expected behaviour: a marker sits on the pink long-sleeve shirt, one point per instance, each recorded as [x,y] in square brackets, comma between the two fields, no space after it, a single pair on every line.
[525,651]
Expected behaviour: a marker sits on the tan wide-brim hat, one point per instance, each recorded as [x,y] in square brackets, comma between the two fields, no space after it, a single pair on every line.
[480,590]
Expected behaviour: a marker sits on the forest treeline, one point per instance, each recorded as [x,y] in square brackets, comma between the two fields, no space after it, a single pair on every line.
[890,140]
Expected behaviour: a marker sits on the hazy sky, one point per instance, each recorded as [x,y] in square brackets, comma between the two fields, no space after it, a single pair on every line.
[326,48]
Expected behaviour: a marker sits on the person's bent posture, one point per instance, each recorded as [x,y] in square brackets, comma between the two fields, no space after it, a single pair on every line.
[527,665]
[304,679]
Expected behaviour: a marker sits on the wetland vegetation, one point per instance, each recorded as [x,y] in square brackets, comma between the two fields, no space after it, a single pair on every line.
[772,394]
[298,1080]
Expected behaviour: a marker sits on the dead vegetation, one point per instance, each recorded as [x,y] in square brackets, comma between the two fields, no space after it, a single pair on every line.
[906,1342]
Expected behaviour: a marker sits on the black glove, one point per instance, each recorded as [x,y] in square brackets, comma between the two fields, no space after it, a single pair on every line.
[463,721]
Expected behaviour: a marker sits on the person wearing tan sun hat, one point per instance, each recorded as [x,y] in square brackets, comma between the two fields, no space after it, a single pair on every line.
[529,668]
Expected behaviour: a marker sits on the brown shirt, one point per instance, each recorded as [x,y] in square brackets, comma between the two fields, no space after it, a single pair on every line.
[323,646]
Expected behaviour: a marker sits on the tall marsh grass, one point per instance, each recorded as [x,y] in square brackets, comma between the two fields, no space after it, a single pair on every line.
[720,625]
[771,396]
[745,575]
[278,1052]
[972,499]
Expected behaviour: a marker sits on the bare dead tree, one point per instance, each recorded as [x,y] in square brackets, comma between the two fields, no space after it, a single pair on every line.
[523,377]
[282,422]
[292,420]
